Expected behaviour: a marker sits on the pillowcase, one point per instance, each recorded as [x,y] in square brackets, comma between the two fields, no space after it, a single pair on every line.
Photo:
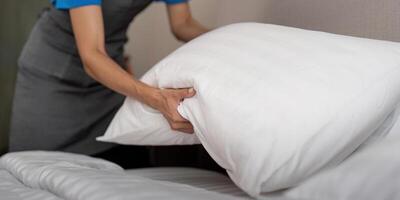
[372,172]
[274,104]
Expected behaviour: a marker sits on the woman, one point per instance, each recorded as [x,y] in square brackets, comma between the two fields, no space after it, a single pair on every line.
[71,77]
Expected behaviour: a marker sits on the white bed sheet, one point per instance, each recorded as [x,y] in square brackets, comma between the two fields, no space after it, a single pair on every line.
[204,179]
[39,175]
[12,189]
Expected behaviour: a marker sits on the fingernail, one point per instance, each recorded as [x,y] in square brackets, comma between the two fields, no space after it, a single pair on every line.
[191,90]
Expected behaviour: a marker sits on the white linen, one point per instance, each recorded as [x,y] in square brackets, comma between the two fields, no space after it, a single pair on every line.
[70,176]
[369,174]
[208,180]
[274,104]
[373,172]
[12,189]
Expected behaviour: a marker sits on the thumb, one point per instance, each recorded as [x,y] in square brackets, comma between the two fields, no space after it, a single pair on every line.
[187,93]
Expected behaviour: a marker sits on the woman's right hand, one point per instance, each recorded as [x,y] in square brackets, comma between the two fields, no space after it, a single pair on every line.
[167,102]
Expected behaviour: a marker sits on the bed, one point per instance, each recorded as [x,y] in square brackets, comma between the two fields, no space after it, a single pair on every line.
[41,175]
[56,175]
[371,172]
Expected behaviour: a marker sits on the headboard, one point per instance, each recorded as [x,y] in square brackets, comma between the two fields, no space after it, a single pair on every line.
[377,19]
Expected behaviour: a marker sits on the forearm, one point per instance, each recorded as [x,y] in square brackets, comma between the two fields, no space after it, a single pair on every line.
[189,30]
[88,27]
[103,69]
[183,25]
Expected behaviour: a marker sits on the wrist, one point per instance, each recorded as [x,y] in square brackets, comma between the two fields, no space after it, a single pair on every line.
[150,96]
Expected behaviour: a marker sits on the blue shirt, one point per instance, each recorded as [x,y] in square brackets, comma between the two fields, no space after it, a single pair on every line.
[67,4]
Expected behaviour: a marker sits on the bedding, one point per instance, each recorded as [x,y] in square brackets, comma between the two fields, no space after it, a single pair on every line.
[54,175]
[12,189]
[208,180]
[381,151]
[350,180]
[372,172]
[274,104]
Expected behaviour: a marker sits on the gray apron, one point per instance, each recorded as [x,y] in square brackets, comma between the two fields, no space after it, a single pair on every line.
[57,106]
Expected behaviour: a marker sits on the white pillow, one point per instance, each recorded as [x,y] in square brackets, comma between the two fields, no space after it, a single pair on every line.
[371,173]
[274,104]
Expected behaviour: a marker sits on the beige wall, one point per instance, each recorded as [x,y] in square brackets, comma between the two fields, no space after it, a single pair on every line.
[151,39]
[380,19]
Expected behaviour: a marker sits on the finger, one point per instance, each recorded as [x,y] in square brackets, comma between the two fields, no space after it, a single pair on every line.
[188,126]
[181,125]
[187,93]
[187,131]
[177,118]
[185,127]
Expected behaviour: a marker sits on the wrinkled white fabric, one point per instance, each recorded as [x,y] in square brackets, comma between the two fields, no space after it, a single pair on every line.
[371,173]
[52,175]
[12,189]
[274,104]
[209,180]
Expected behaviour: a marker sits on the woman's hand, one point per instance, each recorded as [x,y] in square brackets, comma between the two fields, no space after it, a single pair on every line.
[167,103]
